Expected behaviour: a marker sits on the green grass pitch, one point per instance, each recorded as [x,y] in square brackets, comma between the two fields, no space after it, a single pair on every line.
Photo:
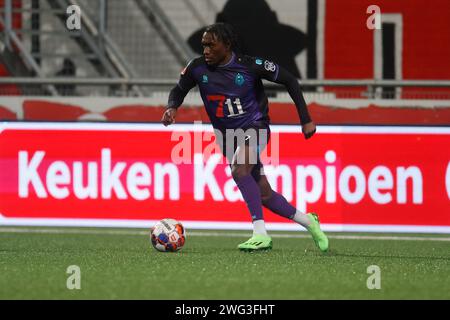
[122,264]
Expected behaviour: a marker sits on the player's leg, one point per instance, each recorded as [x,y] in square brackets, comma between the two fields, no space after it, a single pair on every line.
[241,172]
[278,204]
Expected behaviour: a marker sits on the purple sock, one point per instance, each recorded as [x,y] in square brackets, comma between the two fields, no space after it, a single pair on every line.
[252,196]
[278,204]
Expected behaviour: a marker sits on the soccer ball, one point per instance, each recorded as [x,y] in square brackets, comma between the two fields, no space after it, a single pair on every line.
[168,235]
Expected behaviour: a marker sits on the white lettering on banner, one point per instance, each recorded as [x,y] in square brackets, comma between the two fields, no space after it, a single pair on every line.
[344,184]
[110,178]
[59,176]
[91,190]
[303,195]
[380,178]
[28,174]
[139,176]
[380,184]
[403,174]
[170,170]
[204,177]
[310,182]
[330,174]
[307,184]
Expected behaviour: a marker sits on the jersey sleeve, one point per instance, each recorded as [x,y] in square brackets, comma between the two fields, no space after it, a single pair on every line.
[265,69]
[185,83]
[271,71]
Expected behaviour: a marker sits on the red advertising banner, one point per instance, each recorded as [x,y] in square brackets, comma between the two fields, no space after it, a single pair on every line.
[392,179]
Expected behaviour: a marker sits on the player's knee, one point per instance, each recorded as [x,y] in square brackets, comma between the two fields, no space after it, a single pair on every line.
[265,196]
[239,171]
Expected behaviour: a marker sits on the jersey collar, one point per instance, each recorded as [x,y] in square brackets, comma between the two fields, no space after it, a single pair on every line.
[233,56]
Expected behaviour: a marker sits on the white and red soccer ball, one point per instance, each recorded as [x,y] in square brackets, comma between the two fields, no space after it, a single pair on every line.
[168,235]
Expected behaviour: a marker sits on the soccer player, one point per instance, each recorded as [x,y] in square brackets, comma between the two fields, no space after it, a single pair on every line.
[233,94]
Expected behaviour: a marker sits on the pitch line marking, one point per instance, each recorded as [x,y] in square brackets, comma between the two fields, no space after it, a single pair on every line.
[215,234]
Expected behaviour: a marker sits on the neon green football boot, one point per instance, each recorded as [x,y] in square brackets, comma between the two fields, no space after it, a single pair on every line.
[320,239]
[256,243]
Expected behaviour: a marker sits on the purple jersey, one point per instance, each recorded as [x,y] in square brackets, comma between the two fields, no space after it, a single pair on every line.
[233,94]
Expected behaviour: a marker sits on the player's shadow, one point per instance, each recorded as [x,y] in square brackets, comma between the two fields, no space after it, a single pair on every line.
[259,33]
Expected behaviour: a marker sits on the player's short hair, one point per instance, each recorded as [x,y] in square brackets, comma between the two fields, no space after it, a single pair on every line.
[224,32]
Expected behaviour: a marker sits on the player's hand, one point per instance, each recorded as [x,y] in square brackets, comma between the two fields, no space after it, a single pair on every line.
[169,116]
[308,129]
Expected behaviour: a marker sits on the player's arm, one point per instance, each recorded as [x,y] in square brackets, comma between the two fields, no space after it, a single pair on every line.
[177,95]
[293,87]
[275,73]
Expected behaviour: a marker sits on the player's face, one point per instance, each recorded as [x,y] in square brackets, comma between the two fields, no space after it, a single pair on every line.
[214,51]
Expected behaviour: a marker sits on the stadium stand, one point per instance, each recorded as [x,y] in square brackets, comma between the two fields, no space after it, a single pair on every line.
[137,49]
